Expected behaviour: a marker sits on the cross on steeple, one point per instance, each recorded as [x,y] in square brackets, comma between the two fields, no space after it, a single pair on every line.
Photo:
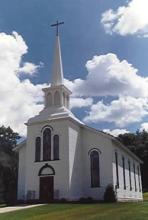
[57,27]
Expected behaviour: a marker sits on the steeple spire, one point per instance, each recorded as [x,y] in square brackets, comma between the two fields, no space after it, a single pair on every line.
[57,95]
[57,72]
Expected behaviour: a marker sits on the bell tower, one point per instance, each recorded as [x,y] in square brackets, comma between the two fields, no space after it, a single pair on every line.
[57,95]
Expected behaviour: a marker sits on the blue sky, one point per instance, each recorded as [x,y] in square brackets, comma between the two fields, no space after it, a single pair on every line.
[92,28]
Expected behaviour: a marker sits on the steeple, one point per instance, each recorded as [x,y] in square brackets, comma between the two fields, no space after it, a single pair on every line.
[57,95]
[57,71]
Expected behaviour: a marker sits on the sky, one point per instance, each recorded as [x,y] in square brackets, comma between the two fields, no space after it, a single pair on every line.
[104,52]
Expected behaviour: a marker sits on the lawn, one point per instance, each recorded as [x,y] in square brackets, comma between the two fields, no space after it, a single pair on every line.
[118,211]
[145,196]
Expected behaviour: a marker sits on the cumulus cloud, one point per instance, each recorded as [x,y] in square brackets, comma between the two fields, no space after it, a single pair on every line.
[80,102]
[19,100]
[130,19]
[116,132]
[110,76]
[121,112]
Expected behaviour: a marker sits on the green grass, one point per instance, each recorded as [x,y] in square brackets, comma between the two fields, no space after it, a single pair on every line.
[145,196]
[115,211]
[118,211]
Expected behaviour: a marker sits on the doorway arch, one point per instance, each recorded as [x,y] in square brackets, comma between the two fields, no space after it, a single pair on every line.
[46,183]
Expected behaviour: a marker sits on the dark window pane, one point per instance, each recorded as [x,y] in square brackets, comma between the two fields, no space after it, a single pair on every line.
[95,169]
[117,172]
[47,144]
[129,168]
[135,177]
[138,169]
[37,149]
[56,147]
[123,164]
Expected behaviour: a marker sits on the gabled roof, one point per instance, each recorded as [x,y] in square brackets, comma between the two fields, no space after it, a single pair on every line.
[115,141]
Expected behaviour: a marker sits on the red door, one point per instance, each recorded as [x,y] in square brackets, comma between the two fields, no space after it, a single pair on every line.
[46,189]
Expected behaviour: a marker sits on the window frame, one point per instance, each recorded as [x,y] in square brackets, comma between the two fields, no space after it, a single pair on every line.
[93,183]
[134,171]
[48,147]
[130,177]
[139,177]
[36,150]
[117,170]
[124,174]
[56,147]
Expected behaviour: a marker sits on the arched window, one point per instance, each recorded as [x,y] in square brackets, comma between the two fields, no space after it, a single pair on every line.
[37,149]
[95,169]
[67,101]
[56,147]
[46,170]
[47,144]
[57,98]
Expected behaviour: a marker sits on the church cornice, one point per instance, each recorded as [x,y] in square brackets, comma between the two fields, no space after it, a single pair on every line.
[98,132]
[53,87]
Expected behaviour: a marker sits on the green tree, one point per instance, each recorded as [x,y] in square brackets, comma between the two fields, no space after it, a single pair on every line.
[8,164]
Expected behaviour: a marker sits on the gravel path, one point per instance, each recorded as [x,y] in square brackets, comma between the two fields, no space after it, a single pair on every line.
[15,208]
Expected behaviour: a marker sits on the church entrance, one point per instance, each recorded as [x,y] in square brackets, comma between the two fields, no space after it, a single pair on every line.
[46,183]
[46,189]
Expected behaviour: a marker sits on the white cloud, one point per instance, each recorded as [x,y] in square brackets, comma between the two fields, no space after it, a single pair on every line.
[108,76]
[116,132]
[80,102]
[28,68]
[19,100]
[121,112]
[130,19]
[144,126]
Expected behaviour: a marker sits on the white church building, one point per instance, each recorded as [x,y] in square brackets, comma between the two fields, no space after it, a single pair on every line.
[64,158]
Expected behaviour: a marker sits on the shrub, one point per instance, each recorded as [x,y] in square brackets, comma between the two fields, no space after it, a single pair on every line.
[63,200]
[110,195]
[86,200]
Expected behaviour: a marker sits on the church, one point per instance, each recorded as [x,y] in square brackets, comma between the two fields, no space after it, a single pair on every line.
[62,158]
